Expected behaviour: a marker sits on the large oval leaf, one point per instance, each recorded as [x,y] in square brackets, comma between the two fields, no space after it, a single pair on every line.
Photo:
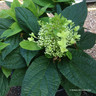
[13,61]
[27,21]
[14,43]
[77,13]
[41,79]
[81,70]
[29,45]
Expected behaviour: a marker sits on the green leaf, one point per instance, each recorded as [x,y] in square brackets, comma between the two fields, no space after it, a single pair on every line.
[68,86]
[14,43]
[29,45]
[4,86]
[44,3]
[69,55]
[31,6]
[3,45]
[11,11]
[77,13]
[87,40]
[67,1]
[14,29]
[45,19]
[48,56]
[3,14]
[17,77]
[8,3]
[5,24]
[6,72]
[80,71]
[15,4]
[28,55]
[58,9]
[13,61]
[27,21]
[43,77]
[43,9]
[81,32]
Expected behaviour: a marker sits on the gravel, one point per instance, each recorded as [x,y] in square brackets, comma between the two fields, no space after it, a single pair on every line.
[90,24]
[3,5]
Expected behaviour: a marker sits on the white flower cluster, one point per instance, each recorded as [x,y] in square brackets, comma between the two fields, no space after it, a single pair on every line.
[56,35]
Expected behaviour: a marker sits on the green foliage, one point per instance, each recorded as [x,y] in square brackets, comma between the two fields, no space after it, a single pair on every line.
[58,8]
[4,85]
[6,72]
[3,14]
[27,20]
[80,71]
[14,29]
[69,55]
[29,45]
[26,64]
[28,55]
[87,38]
[69,87]
[77,13]
[43,77]
[34,8]
[8,3]
[51,2]
[11,12]
[14,43]
[63,1]
[13,61]
[4,24]
[42,10]
[31,6]
[17,77]
[44,2]
[3,45]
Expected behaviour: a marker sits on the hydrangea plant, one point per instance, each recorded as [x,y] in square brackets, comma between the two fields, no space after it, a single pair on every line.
[42,53]
[56,35]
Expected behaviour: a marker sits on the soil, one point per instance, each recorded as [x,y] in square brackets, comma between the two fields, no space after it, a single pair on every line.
[14,91]
[90,24]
